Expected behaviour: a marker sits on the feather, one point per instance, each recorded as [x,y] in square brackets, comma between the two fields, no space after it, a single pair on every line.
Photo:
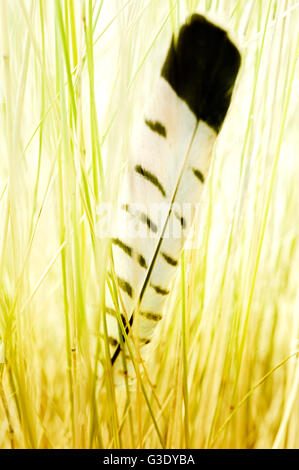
[167,169]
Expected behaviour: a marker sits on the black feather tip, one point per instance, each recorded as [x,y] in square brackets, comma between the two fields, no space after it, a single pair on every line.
[201,67]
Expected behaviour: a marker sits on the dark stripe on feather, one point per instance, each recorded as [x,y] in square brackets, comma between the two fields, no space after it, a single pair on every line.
[146,220]
[160,290]
[181,219]
[151,316]
[198,175]
[127,249]
[169,259]
[112,341]
[112,312]
[151,178]
[142,261]
[144,340]
[118,349]
[156,127]
[125,286]
[142,217]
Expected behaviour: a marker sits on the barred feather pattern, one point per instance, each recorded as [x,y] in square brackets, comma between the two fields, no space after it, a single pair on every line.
[168,167]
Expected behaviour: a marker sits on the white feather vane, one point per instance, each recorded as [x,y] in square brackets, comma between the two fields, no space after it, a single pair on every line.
[167,169]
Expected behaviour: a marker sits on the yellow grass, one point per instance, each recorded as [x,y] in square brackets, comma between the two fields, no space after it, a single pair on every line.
[224,373]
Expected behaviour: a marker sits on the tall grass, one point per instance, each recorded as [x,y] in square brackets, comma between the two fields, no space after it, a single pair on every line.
[223,370]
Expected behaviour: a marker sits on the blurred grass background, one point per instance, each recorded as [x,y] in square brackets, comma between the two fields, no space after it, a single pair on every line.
[74,76]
